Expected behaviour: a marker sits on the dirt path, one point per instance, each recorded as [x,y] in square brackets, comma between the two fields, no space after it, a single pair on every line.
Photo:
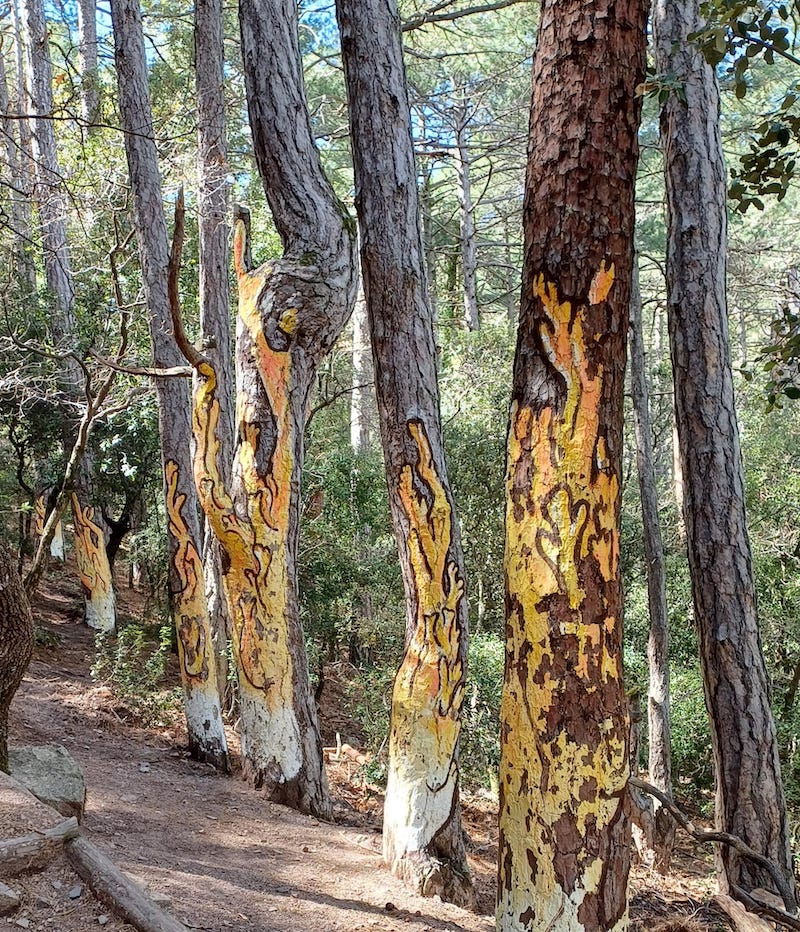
[224,856]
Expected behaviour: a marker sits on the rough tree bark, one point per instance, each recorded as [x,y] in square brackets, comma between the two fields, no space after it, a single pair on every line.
[422,837]
[16,642]
[290,313]
[215,295]
[750,801]
[658,710]
[49,195]
[186,577]
[564,834]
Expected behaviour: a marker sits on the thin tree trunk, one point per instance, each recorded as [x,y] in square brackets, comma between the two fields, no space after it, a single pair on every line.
[658,708]
[422,837]
[564,833]
[362,377]
[469,254]
[426,205]
[90,78]
[94,569]
[19,196]
[215,296]
[750,800]
[186,577]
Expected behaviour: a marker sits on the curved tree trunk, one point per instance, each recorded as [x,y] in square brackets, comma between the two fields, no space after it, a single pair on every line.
[290,313]
[564,834]
[186,577]
[422,838]
[658,711]
[215,295]
[750,801]
[16,642]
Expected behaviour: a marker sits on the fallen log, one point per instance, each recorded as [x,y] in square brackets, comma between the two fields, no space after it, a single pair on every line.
[121,894]
[28,852]
[741,919]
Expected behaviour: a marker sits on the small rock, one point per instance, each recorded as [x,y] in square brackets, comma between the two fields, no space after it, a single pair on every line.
[102,920]
[390,907]
[144,767]
[75,891]
[161,899]
[23,923]
[9,900]
[56,884]
[306,849]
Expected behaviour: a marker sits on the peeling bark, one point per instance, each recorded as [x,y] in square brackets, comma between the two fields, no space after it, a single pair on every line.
[564,833]
[422,839]
[749,799]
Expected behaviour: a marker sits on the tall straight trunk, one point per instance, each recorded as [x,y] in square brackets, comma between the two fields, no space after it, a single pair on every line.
[49,195]
[19,197]
[90,78]
[215,296]
[362,377]
[658,710]
[750,801]
[426,205]
[186,576]
[290,313]
[564,836]
[422,837]
[469,253]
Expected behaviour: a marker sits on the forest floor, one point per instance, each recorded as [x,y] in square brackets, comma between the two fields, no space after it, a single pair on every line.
[221,856]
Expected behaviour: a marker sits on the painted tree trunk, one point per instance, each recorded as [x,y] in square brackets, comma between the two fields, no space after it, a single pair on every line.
[422,838]
[564,833]
[93,568]
[750,801]
[215,297]
[658,709]
[57,543]
[16,642]
[90,80]
[469,252]
[50,201]
[186,577]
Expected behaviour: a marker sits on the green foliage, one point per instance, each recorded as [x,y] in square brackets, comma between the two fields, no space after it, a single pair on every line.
[132,664]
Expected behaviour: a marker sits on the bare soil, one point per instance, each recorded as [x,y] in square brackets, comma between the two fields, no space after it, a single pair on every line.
[219,854]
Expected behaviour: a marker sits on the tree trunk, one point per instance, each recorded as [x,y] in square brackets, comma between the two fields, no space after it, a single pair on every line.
[90,79]
[564,833]
[362,377]
[290,313]
[16,642]
[469,254]
[19,197]
[422,839]
[51,207]
[750,801]
[186,577]
[658,709]
[215,296]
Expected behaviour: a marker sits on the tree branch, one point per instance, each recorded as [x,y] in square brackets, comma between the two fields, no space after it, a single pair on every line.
[193,356]
[424,19]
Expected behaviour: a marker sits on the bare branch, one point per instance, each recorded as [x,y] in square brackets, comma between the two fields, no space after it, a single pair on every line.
[190,352]
[424,19]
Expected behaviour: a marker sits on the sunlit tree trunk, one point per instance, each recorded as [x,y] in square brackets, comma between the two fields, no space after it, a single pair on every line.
[215,297]
[362,377]
[186,577]
[290,313]
[49,196]
[750,800]
[422,838]
[564,834]
[658,710]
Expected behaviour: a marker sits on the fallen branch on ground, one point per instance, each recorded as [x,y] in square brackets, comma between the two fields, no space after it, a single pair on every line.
[25,851]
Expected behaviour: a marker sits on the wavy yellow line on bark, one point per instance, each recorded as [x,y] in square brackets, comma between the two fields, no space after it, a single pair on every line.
[93,568]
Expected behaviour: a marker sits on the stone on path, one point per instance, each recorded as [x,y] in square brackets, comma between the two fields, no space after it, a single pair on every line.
[51,775]
[9,900]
